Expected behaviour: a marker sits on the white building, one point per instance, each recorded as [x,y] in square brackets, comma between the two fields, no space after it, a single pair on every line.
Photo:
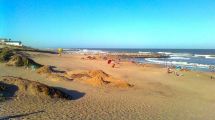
[9,42]
[14,43]
[3,40]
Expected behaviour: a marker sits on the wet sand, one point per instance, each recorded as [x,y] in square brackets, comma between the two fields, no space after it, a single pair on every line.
[156,95]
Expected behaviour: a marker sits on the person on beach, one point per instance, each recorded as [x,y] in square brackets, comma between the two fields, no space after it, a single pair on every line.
[109,61]
[112,62]
[118,61]
[169,70]
[113,65]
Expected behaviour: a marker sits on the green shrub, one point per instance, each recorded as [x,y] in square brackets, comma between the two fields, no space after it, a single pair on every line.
[21,60]
[5,54]
[15,60]
[29,62]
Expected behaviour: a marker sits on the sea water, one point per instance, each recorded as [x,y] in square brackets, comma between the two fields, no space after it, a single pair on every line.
[195,59]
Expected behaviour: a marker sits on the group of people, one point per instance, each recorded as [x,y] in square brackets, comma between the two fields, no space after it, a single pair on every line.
[169,71]
[113,62]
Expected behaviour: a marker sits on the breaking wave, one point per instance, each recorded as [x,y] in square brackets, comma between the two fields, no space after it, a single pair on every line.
[205,56]
[85,51]
[154,60]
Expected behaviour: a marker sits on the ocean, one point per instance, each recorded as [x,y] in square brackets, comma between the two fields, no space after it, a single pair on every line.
[194,59]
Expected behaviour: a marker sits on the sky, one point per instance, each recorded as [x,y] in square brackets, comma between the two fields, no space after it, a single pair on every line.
[110,23]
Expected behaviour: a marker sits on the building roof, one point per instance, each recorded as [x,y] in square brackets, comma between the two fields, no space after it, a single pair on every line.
[13,41]
[3,39]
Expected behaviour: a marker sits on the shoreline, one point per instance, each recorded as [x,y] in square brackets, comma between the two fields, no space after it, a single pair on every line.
[155,94]
[192,59]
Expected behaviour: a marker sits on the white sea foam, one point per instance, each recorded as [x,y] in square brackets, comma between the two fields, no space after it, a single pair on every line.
[66,49]
[144,52]
[179,58]
[205,56]
[87,51]
[84,51]
[154,60]
[166,53]
[210,57]
[171,54]
[181,55]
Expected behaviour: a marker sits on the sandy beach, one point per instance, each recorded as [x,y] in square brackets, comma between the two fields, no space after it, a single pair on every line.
[154,95]
[107,60]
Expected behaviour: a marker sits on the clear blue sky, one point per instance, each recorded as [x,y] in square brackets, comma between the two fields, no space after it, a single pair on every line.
[110,23]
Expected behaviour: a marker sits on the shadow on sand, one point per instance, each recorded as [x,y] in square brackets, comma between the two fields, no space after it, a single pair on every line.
[7,91]
[56,71]
[75,95]
[20,115]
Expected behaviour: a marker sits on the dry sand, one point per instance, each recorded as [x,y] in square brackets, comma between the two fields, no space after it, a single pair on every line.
[155,95]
